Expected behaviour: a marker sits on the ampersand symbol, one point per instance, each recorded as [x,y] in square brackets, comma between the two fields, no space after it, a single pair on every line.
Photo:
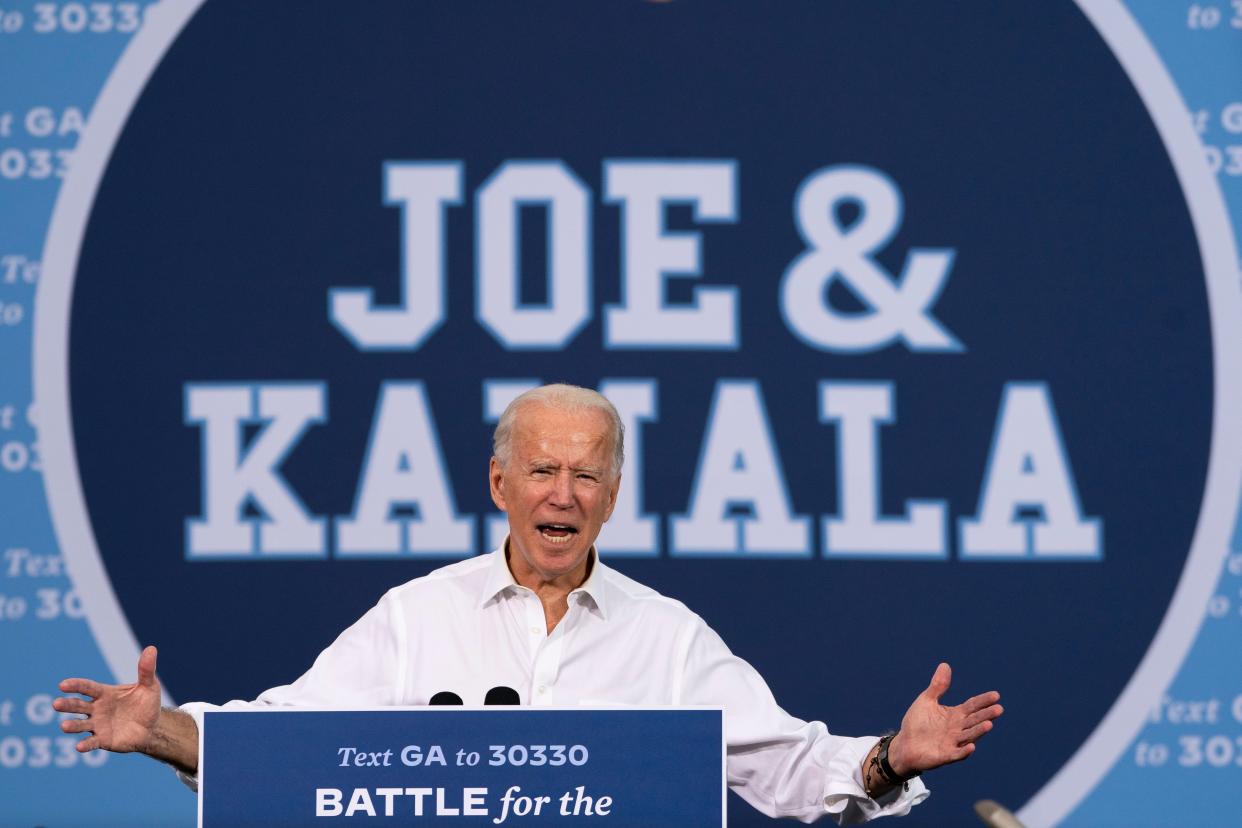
[898,308]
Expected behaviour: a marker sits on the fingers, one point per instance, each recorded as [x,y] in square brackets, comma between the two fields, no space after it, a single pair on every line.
[972,734]
[979,702]
[87,687]
[87,745]
[72,704]
[146,667]
[80,685]
[940,681]
[77,726]
[962,752]
[986,714]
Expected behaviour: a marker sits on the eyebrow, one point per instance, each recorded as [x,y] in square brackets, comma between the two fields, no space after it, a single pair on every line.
[538,463]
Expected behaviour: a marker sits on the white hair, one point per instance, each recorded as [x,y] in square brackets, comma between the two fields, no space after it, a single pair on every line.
[564,398]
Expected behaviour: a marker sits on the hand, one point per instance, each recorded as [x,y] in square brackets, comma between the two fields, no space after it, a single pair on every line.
[933,735]
[120,717]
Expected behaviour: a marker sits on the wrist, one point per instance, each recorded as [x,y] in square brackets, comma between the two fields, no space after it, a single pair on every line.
[174,739]
[157,735]
[897,767]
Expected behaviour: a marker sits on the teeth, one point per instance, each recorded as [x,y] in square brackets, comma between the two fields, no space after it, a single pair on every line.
[568,530]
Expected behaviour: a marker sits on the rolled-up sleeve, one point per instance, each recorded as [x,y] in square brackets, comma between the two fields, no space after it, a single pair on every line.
[781,765]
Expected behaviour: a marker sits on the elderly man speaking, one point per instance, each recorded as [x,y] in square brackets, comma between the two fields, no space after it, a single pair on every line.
[543,614]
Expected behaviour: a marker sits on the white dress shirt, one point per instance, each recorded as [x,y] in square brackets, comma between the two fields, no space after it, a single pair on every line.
[469,627]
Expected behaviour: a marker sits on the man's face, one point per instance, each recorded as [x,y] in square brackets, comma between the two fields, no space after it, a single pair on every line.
[558,488]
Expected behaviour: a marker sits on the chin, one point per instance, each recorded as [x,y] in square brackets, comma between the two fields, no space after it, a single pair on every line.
[558,559]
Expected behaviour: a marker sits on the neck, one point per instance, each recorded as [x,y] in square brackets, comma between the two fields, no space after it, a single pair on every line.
[553,590]
[541,582]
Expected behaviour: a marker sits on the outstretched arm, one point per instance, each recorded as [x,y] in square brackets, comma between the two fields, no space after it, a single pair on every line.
[127,718]
[932,735]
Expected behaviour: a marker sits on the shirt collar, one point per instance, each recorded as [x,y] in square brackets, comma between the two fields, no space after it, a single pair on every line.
[499,579]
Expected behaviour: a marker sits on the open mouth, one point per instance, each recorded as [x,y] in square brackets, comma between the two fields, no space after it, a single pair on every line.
[557,532]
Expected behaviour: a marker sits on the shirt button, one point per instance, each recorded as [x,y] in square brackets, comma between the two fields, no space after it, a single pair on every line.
[542,689]
[534,630]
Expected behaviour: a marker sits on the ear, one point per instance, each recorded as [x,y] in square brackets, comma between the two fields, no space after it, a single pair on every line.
[612,497]
[496,482]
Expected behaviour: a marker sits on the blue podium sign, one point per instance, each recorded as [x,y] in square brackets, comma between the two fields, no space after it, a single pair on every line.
[515,766]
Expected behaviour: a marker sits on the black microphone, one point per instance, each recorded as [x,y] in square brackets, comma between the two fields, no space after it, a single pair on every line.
[502,695]
[445,697]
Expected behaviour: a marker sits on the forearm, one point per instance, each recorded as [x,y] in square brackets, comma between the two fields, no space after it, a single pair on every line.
[174,740]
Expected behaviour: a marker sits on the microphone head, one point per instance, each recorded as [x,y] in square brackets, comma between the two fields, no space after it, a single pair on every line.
[502,695]
[445,697]
[996,815]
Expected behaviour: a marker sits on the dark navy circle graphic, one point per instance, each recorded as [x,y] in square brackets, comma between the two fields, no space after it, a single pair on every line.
[1041,255]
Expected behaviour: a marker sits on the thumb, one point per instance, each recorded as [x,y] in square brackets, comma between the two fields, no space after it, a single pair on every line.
[939,682]
[146,667]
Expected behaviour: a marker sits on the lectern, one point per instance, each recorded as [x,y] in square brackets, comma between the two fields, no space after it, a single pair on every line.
[495,766]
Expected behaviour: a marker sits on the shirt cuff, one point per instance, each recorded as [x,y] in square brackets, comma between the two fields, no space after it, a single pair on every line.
[845,797]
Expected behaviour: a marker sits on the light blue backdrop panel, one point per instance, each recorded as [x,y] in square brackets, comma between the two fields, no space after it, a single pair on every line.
[1185,767]
[54,58]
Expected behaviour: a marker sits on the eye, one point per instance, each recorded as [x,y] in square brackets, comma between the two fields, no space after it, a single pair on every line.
[541,472]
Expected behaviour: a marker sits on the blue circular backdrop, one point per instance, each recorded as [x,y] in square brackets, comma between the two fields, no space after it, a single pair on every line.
[248,182]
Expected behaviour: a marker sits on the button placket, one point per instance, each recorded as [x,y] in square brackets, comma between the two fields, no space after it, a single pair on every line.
[535,623]
[548,661]
[536,630]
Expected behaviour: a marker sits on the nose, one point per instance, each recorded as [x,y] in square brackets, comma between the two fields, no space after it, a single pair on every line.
[562,494]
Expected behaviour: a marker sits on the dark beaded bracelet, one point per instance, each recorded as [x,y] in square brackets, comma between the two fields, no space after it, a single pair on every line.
[886,769]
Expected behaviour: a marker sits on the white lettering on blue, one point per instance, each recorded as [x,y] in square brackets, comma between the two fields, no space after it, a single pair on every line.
[404,469]
[422,190]
[630,531]
[650,254]
[1029,472]
[858,409]
[239,472]
[568,203]
[898,308]
[739,472]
